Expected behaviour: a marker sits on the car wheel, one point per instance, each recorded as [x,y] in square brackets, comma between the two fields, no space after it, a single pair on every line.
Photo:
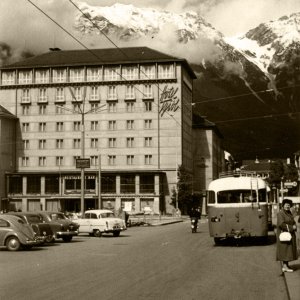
[13,244]
[97,233]
[49,239]
[217,241]
[67,239]
[116,233]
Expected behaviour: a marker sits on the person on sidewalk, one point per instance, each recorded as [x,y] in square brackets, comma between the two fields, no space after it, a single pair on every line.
[286,251]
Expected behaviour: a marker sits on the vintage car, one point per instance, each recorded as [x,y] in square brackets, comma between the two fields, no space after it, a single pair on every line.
[62,227]
[44,232]
[98,221]
[15,233]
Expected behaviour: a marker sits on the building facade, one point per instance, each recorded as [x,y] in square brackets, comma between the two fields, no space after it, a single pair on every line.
[128,111]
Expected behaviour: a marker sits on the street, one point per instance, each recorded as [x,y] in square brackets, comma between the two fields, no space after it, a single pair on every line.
[162,262]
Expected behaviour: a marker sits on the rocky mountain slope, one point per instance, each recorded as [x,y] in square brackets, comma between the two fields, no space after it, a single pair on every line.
[248,85]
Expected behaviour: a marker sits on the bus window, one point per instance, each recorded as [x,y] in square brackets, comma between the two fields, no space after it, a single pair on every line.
[211,197]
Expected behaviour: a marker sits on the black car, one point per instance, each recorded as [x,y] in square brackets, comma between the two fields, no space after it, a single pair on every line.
[44,232]
[62,227]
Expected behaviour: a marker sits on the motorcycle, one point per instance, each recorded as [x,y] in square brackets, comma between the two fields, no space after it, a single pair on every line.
[194,224]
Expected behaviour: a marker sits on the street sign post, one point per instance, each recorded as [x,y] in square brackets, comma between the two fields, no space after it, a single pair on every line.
[83,163]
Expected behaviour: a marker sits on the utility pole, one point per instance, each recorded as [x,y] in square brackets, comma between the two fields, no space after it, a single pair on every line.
[82,168]
[99,182]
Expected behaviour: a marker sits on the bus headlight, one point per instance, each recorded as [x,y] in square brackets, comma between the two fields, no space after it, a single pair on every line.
[215,219]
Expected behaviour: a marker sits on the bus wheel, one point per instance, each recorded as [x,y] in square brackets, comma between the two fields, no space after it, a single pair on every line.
[217,241]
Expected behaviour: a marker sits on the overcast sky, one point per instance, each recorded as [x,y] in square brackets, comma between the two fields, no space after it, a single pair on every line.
[23,26]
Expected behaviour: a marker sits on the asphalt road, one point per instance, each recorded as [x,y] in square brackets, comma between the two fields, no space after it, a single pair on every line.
[165,262]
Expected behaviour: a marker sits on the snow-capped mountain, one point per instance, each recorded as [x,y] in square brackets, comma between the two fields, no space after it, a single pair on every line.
[248,84]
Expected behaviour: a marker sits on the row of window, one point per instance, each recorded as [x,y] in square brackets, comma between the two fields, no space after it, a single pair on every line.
[111,160]
[111,107]
[94,143]
[59,75]
[108,184]
[94,125]
[92,93]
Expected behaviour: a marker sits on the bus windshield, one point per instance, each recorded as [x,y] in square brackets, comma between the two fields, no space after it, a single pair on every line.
[240,196]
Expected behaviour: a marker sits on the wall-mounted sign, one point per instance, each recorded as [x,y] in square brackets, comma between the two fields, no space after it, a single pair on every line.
[83,163]
[168,101]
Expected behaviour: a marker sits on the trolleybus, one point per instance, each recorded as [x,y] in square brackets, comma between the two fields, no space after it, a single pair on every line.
[237,207]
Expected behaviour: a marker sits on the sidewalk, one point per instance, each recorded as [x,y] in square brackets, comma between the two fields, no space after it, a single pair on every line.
[154,220]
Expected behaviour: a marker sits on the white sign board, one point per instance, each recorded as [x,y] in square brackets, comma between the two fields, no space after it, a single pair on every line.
[128,206]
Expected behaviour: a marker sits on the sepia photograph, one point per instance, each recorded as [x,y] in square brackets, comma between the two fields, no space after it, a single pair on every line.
[149,150]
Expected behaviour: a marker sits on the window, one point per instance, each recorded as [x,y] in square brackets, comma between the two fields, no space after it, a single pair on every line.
[25,127]
[76,126]
[42,109]
[33,184]
[112,92]
[129,72]
[127,183]
[59,143]
[148,91]
[166,71]
[42,144]
[25,144]
[76,143]
[25,96]
[108,184]
[59,126]
[25,77]
[94,107]
[111,160]
[42,126]
[15,185]
[59,75]
[148,105]
[147,72]
[94,160]
[129,106]
[94,143]
[60,109]
[112,125]
[148,124]
[148,142]
[130,124]
[112,73]
[42,161]
[25,161]
[60,94]
[59,160]
[25,110]
[130,142]
[74,159]
[94,95]
[93,74]
[94,125]
[77,93]
[130,159]
[8,78]
[76,75]
[42,95]
[146,184]
[148,159]
[129,92]
[112,142]
[76,107]
[42,76]
[112,107]
[51,184]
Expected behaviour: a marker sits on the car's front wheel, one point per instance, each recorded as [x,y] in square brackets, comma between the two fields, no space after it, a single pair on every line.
[97,233]
[13,244]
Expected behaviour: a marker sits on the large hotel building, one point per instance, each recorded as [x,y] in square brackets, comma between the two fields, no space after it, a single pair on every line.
[127,112]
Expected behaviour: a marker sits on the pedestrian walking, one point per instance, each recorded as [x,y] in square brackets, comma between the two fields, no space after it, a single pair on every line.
[286,251]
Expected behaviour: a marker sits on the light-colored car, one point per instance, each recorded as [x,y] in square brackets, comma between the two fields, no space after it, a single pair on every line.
[16,234]
[98,221]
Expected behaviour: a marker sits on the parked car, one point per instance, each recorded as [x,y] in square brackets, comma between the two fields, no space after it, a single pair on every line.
[15,233]
[44,232]
[62,227]
[98,221]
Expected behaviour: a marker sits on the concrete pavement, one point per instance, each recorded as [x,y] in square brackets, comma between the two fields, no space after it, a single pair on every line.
[292,280]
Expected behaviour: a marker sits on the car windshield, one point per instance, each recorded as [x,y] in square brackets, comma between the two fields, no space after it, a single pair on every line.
[107,215]
[57,216]
[34,219]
